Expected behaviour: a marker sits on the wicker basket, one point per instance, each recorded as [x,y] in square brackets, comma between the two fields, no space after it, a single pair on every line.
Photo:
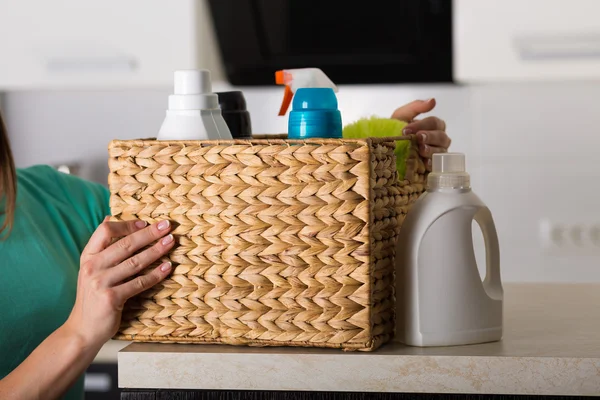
[280,242]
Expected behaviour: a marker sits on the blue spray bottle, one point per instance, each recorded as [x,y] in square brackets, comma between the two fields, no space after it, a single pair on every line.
[315,111]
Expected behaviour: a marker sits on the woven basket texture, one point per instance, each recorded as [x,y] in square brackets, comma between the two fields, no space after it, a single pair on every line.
[279,242]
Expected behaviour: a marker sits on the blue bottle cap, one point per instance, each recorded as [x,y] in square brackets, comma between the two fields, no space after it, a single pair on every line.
[314,114]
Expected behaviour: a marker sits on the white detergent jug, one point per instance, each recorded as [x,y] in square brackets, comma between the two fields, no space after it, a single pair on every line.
[440,297]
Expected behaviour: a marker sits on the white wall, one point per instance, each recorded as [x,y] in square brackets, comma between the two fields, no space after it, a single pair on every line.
[531,149]
[537,146]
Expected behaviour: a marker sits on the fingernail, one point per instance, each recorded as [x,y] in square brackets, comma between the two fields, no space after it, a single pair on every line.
[424,138]
[425,148]
[407,132]
[162,225]
[167,239]
[164,267]
[140,224]
[428,100]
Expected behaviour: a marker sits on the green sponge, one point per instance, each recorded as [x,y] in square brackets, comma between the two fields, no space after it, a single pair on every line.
[378,127]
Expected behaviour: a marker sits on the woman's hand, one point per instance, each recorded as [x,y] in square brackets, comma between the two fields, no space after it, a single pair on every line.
[106,267]
[102,290]
[430,131]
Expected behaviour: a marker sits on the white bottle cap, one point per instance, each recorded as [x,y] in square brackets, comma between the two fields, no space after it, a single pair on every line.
[448,172]
[192,81]
[193,91]
[448,162]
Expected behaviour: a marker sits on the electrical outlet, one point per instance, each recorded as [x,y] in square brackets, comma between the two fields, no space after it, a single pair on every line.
[570,238]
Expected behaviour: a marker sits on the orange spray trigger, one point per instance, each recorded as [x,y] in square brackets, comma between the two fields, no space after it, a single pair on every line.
[283,78]
[279,78]
[287,99]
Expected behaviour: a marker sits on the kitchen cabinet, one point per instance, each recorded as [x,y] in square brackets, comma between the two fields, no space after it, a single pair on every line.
[101,376]
[101,382]
[533,40]
[63,44]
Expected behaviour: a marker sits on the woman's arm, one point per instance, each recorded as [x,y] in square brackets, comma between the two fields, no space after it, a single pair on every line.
[51,368]
[102,289]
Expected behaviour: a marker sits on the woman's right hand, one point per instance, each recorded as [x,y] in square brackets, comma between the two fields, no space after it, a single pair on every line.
[104,284]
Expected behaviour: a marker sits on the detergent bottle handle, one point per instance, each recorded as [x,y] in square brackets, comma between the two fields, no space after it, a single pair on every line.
[492,282]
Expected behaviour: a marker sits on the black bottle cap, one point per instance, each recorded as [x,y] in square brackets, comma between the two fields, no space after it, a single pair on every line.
[237,118]
[232,101]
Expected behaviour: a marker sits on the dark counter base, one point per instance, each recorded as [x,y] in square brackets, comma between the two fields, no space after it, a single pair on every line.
[264,395]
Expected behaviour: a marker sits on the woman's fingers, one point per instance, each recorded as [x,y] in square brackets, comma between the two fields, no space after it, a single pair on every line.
[128,245]
[109,230]
[434,138]
[410,111]
[425,124]
[142,282]
[137,263]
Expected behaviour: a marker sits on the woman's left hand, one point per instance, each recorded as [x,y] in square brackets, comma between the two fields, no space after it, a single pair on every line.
[430,131]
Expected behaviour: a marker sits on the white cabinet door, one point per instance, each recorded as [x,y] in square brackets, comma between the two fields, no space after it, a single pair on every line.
[93,43]
[499,40]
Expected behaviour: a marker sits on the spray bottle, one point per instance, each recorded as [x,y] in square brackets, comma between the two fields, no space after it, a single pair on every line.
[315,111]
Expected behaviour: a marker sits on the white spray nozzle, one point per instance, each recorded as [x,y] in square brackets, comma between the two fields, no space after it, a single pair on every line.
[294,79]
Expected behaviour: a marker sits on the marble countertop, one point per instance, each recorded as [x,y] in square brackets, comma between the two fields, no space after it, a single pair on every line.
[551,346]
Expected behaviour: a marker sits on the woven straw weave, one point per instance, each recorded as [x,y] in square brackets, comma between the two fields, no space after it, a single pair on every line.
[279,242]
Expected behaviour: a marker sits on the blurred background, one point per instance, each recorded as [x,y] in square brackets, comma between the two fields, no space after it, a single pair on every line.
[517,82]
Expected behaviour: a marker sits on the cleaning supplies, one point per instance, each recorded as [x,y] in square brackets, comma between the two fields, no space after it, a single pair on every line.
[440,297]
[193,112]
[315,111]
[235,114]
[377,127]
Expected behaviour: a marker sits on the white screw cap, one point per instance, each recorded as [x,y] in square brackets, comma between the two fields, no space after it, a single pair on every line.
[448,162]
[193,91]
[192,82]
[448,172]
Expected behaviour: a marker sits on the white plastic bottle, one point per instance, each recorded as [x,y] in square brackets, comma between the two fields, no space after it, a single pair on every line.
[193,112]
[440,297]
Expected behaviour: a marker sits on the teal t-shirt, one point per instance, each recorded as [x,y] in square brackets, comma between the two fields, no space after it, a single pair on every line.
[55,216]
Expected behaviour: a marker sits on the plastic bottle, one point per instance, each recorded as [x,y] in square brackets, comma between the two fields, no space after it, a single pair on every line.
[315,111]
[193,112]
[235,114]
[440,297]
